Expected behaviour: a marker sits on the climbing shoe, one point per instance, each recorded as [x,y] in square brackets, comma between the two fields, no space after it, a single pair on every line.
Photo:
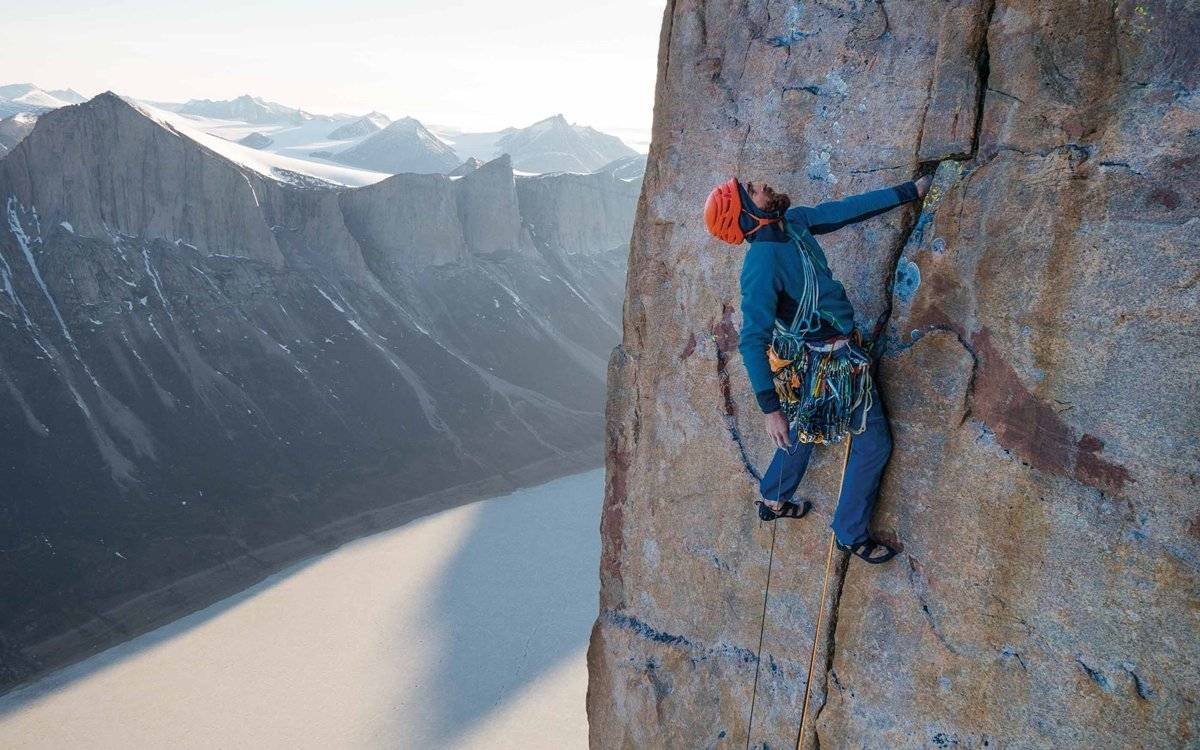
[866,549]
[787,510]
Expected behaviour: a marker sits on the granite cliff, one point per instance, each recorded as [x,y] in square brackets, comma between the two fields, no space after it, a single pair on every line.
[207,371]
[1036,318]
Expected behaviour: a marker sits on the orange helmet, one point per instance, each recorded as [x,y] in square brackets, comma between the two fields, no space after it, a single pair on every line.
[724,208]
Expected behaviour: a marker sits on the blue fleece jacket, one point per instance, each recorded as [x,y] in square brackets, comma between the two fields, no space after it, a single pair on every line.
[772,277]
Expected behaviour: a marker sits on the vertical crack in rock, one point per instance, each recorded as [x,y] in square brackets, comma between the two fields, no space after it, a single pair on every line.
[983,68]
[911,233]
[924,115]
[920,588]
[830,647]
[726,337]
[880,327]
[664,41]
[618,455]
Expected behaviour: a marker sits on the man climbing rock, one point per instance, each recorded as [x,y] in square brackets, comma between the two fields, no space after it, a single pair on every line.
[807,360]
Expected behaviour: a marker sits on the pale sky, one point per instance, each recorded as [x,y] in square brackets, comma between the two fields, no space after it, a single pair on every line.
[476,64]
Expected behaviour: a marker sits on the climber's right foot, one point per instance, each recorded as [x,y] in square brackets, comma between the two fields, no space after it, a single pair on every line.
[867,551]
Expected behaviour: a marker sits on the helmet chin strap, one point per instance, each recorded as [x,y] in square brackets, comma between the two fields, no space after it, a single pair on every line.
[761,222]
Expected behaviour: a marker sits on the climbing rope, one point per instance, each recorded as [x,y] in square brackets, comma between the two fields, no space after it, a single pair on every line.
[761,628]
[812,658]
[762,625]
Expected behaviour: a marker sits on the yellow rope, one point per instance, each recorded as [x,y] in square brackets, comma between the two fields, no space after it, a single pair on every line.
[812,659]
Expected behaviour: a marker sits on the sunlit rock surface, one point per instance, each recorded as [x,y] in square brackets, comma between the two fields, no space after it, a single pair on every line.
[1037,318]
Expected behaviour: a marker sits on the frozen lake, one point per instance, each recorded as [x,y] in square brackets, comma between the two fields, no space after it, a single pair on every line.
[463,629]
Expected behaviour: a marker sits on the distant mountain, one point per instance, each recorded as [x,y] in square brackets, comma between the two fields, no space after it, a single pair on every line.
[467,167]
[365,125]
[549,145]
[404,146]
[207,373]
[552,145]
[250,109]
[70,96]
[256,140]
[25,97]
[626,168]
[14,128]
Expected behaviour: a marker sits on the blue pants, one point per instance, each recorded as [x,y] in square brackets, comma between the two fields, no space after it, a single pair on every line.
[869,453]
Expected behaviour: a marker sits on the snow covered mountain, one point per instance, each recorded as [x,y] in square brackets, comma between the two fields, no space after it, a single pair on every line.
[363,126]
[256,141]
[403,146]
[549,145]
[250,109]
[211,365]
[25,97]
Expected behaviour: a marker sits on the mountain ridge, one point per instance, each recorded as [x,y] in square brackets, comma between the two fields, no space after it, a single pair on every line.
[211,371]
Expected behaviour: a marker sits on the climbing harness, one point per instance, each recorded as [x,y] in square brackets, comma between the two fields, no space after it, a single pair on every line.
[820,385]
[819,382]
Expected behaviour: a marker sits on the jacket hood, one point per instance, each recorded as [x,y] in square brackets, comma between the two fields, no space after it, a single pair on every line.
[769,232]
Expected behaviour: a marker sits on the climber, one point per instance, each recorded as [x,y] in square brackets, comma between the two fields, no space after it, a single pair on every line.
[806,358]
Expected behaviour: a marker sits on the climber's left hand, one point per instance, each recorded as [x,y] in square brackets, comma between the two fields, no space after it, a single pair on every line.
[923,185]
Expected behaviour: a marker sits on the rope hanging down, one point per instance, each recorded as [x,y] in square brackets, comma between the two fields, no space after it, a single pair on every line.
[762,625]
[820,612]
[812,658]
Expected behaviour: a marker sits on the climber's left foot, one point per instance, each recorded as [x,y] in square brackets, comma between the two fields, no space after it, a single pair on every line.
[784,509]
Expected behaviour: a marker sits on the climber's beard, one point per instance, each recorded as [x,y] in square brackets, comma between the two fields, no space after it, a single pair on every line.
[776,202]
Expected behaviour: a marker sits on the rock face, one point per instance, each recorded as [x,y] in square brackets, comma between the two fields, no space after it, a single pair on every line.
[488,209]
[467,167]
[576,212]
[104,185]
[1037,320]
[408,220]
[206,373]
[13,129]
